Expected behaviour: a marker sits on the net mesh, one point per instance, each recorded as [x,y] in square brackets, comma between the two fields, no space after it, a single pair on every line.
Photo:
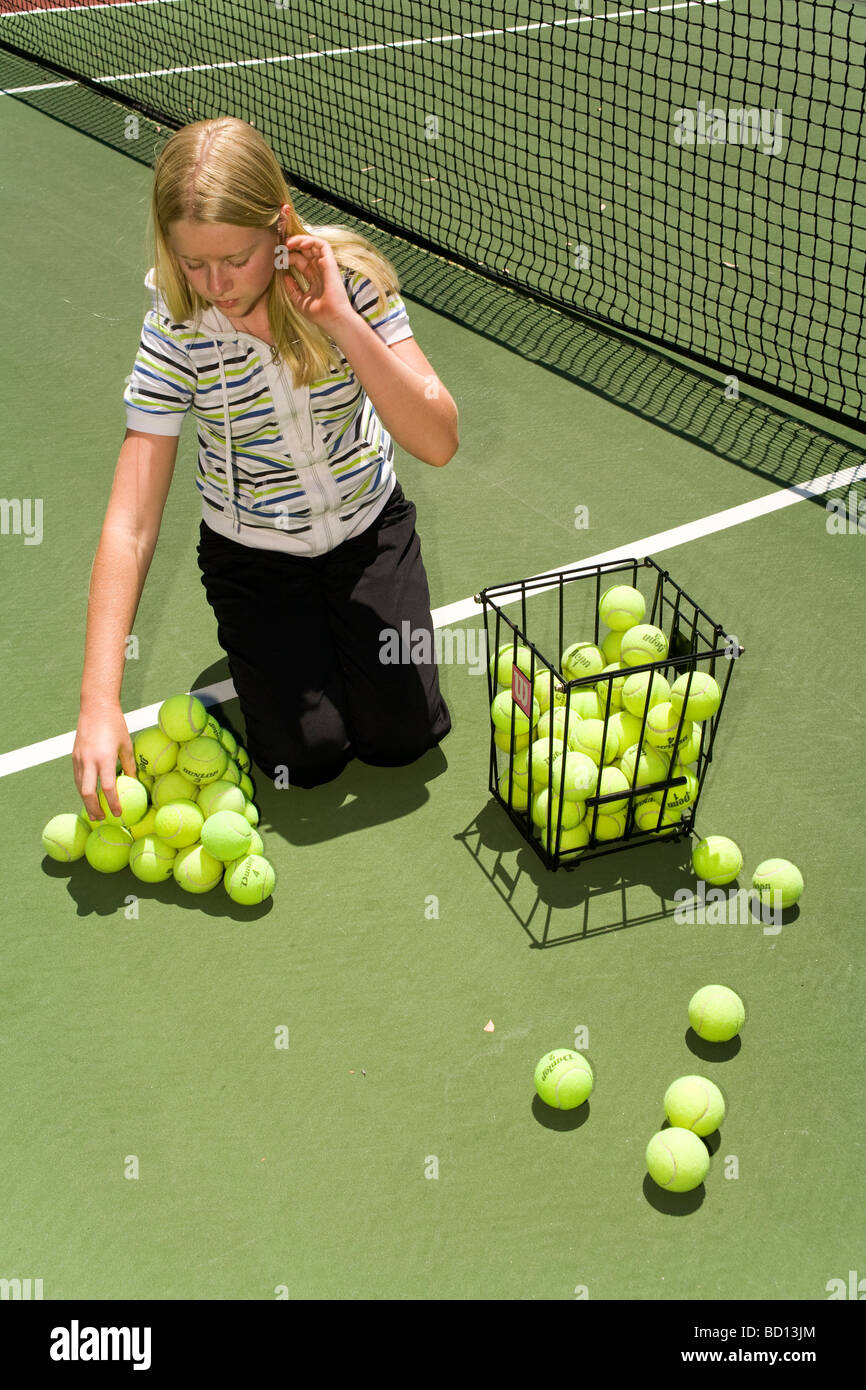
[688,172]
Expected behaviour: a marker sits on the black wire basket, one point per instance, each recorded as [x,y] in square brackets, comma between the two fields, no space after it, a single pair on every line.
[667,754]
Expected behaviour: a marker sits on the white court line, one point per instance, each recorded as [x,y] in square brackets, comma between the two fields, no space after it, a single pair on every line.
[34,754]
[76,9]
[537,26]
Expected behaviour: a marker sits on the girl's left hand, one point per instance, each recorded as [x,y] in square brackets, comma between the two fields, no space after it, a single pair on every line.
[326,302]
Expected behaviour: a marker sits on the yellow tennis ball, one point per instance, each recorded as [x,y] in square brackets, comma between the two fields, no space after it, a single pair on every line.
[506,658]
[574,776]
[563,1078]
[504,708]
[575,838]
[778,876]
[501,737]
[572,811]
[693,1102]
[542,754]
[195,870]
[603,826]
[597,743]
[182,717]
[228,741]
[582,659]
[677,1159]
[704,695]
[220,796]
[584,705]
[643,643]
[614,684]
[179,824]
[662,724]
[556,718]
[545,689]
[65,837]
[657,761]
[635,765]
[717,860]
[145,826]
[621,607]
[155,753]
[107,848]
[716,1013]
[648,814]
[612,780]
[519,796]
[247,787]
[227,835]
[242,758]
[610,647]
[151,859]
[626,729]
[252,814]
[250,880]
[680,798]
[202,760]
[642,689]
[173,786]
[133,801]
[689,751]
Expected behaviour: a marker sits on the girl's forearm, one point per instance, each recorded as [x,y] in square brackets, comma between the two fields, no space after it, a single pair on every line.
[417,411]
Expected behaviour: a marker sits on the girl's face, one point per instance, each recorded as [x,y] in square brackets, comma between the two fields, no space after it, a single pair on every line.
[231,267]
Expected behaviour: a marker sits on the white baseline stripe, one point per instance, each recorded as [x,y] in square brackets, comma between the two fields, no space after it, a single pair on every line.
[76,9]
[50,749]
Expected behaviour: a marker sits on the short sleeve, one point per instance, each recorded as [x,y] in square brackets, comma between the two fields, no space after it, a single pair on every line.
[393,324]
[161,386]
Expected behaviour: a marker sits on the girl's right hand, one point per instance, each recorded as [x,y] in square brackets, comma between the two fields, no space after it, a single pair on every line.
[101,739]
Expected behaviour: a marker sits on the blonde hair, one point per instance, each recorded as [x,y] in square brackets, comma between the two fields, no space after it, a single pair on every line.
[224,171]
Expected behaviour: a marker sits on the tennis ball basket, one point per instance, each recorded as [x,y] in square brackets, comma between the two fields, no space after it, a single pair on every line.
[608,746]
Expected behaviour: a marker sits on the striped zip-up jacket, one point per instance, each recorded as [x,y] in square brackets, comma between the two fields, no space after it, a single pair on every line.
[306,467]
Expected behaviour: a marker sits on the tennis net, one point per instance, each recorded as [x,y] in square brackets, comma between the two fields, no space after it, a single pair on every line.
[689,172]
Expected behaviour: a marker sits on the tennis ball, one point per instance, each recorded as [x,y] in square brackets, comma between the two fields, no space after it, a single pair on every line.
[680,798]
[173,786]
[648,814]
[582,659]
[704,695]
[610,647]
[677,1160]
[519,798]
[717,860]
[133,801]
[595,741]
[220,796]
[716,1013]
[642,689]
[520,768]
[545,688]
[502,709]
[202,760]
[573,812]
[621,607]
[250,880]
[107,848]
[574,776]
[556,718]
[65,837]
[603,826]
[257,844]
[612,780]
[778,876]
[614,684]
[155,753]
[195,870]
[563,1079]
[693,1102]
[226,835]
[626,729]
[145,826]
[643,643]
[247,787]
[501,738]
[690,750]
[542,754]
[252,814]
[179,824]
[636,768]
[151,859]
[212,728]
[662,723]
[506,658]
[182,717]
[583,704]
[228,741]
[242,758]
[575,838]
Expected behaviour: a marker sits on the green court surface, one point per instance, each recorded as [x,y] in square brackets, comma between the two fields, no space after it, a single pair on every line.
[307,1099]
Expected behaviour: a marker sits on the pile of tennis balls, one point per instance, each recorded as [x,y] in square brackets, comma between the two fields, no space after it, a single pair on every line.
[587,761]
[718,860]
[189,814]
[676,1157]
